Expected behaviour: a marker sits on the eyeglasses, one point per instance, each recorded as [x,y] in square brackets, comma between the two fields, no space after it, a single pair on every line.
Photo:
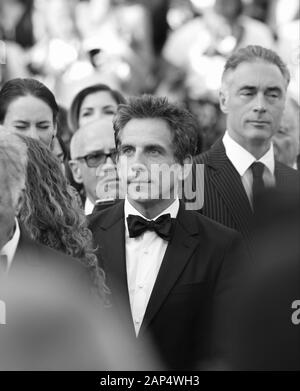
[94,159]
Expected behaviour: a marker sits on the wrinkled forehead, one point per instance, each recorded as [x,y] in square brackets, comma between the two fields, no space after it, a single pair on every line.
[256,73]
[97,136]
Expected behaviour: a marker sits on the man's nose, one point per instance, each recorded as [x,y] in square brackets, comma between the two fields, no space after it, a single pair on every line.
[260,103]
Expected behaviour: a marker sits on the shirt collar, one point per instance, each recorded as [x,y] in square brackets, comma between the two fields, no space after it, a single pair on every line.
[242,159]
[10,248]
[88,206]
[130,210]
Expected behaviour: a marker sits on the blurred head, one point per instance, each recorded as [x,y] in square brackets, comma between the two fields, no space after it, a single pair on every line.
[93,153]
[253,93]
[13,163]
[93,103]
[28,107]
[229,9]
[287,138]
[155,139]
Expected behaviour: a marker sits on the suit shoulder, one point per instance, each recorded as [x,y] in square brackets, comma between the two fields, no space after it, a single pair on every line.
[211,227]
[202,157]
[283,169]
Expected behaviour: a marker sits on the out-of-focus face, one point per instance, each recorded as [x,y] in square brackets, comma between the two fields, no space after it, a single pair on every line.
[286,139]
[96,106]
[31,117]
[146,164]
[253,97]
[99,181]
[7,210]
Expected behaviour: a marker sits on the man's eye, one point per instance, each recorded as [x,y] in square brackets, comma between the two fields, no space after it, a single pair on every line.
[246,93]
[127,151]
[44,127]
[154,152]
[20,127]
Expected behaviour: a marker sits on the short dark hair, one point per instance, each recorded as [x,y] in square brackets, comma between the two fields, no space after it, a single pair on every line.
[79,97]
[254,53]
[181,122]
[16,88]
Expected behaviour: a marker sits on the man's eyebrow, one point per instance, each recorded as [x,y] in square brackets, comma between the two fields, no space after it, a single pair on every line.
[20,121]
[274,89]
[152,146]
[247,87]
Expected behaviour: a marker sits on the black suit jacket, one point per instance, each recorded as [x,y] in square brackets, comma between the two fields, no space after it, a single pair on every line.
[225,199]
[32,257]
[197,270]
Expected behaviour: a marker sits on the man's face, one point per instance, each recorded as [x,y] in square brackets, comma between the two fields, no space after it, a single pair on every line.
[7,210]
[146,165]
[253,98]
[101,181]
[286,139]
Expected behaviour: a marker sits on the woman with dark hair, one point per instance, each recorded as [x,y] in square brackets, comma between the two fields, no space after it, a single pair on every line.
[50,213]
[28,107]
[93,103]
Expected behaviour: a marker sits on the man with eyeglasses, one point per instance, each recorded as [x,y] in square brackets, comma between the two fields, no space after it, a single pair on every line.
[93,154]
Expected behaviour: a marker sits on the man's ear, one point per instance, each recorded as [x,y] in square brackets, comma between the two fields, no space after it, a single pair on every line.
[186,167]
[76,171]
[19,202]
[223,99]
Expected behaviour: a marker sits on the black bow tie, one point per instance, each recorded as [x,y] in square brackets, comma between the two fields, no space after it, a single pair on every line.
[163,226]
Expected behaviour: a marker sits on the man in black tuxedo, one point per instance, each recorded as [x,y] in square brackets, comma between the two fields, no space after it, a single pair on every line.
[169,269]
[242,164]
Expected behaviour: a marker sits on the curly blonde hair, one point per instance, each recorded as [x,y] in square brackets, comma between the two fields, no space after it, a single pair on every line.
[51,213]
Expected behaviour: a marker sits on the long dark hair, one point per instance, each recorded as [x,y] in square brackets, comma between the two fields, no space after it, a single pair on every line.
[16,88]
[51,214]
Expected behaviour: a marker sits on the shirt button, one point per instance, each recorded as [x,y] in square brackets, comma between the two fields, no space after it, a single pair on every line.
[141,286]
[137,321]
[146,252]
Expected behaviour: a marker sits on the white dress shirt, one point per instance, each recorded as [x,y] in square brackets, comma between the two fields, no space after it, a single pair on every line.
[242,160]
[10,248]
[88,206]
[144,255]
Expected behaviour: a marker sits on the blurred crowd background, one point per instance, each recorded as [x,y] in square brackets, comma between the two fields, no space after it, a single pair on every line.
[175,48]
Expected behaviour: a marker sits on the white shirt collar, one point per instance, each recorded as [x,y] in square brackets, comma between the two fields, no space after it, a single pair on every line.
[130,210]
[88,206]
[242,159]
[10,248]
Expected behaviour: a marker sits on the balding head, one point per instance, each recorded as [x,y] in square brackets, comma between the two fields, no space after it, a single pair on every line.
[92,137]
[96,138]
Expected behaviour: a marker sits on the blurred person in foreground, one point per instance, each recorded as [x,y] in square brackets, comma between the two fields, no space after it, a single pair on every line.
[287,138]
[171,267]
[241,165]
[93,164]
[47,215]
[266,333]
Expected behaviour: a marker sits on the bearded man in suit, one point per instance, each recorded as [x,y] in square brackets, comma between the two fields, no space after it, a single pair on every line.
[241,165]
[169,269]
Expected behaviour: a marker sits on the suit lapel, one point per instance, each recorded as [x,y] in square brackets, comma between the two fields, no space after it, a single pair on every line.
[228,183]
[178,253]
